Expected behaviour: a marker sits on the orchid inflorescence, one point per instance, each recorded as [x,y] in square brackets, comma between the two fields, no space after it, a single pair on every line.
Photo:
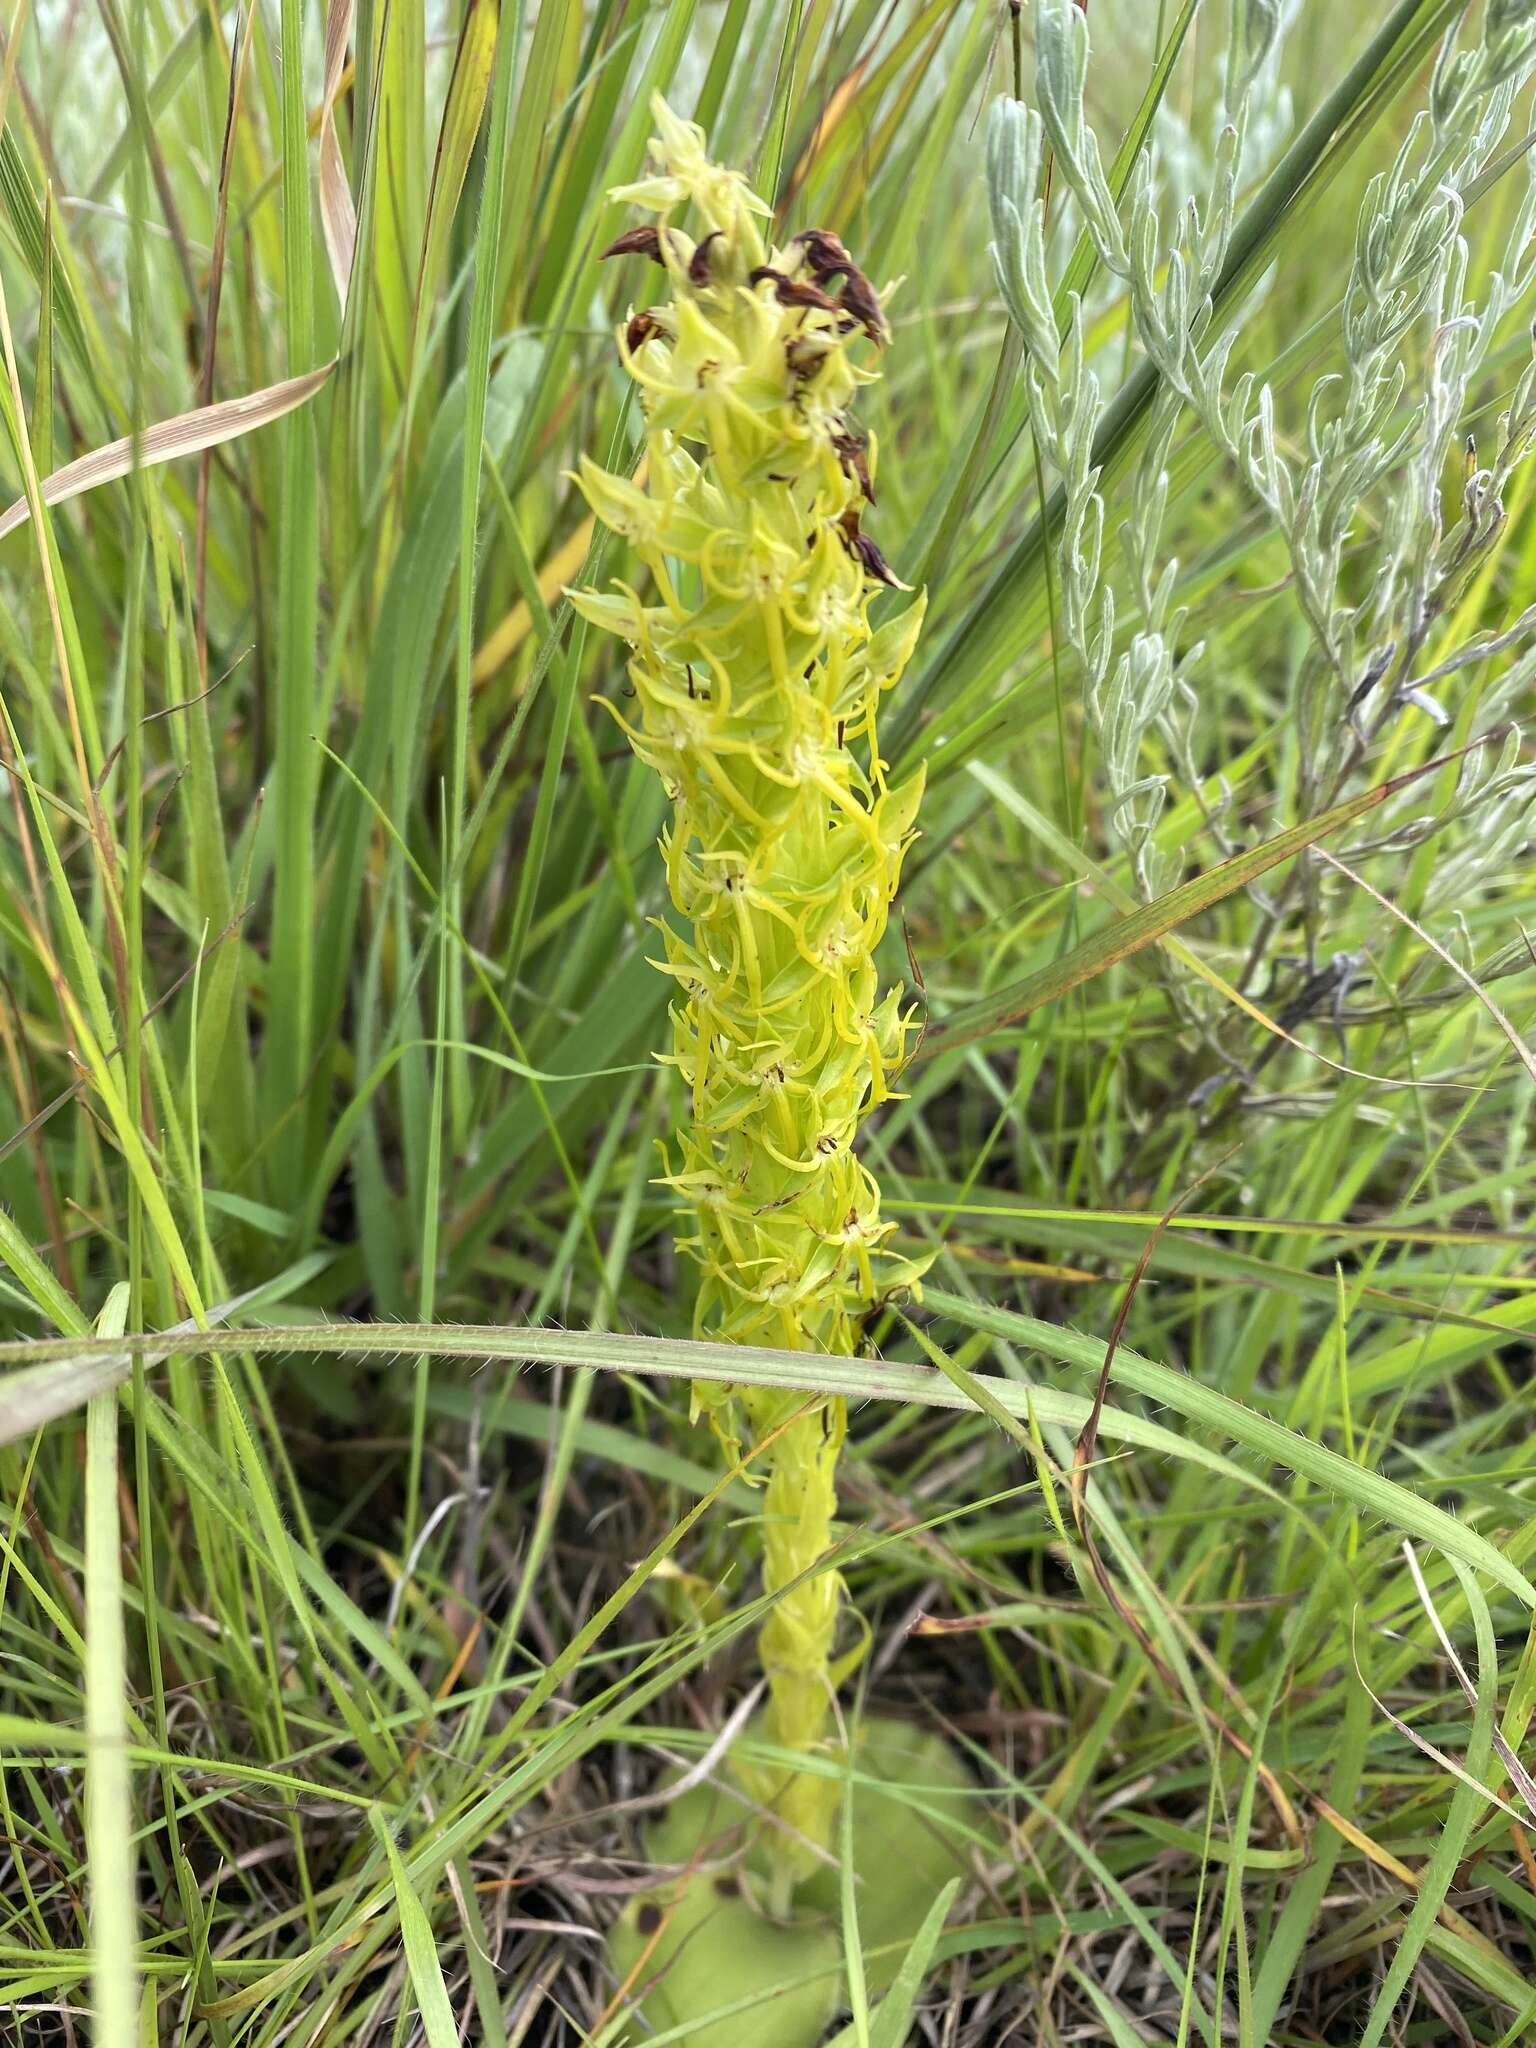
[757,676]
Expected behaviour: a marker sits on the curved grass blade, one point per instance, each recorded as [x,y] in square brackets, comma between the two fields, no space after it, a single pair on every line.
[187,433]
[1253,1430]
[84,1366]
[110,1842]
[338,210]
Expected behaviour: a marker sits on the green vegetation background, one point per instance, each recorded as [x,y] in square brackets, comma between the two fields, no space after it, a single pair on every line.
[327,1681]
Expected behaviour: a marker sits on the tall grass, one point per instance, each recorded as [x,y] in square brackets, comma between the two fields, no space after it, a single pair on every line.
[339,1671]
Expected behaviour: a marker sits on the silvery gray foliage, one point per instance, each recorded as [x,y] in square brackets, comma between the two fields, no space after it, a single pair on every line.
[1388,419]
[1063,393]
[1377,437]
[1186,145]
[1147,687]
[1150,686]
[1409,263]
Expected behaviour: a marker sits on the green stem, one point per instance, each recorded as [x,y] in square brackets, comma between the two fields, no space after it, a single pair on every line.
[797,1639]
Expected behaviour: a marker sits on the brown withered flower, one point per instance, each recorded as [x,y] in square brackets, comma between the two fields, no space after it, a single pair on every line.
[853,455]
[824,253]
[865,552]
[641,241]
[699,272]
[791,291]
[860,298]
[826,258]
[642,326]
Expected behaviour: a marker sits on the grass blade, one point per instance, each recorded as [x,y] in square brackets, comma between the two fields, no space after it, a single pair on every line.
[109,1797]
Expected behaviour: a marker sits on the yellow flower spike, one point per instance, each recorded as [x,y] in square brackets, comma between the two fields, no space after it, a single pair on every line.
[757,708]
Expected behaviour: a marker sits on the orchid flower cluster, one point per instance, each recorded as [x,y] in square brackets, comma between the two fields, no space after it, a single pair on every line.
[757,676]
